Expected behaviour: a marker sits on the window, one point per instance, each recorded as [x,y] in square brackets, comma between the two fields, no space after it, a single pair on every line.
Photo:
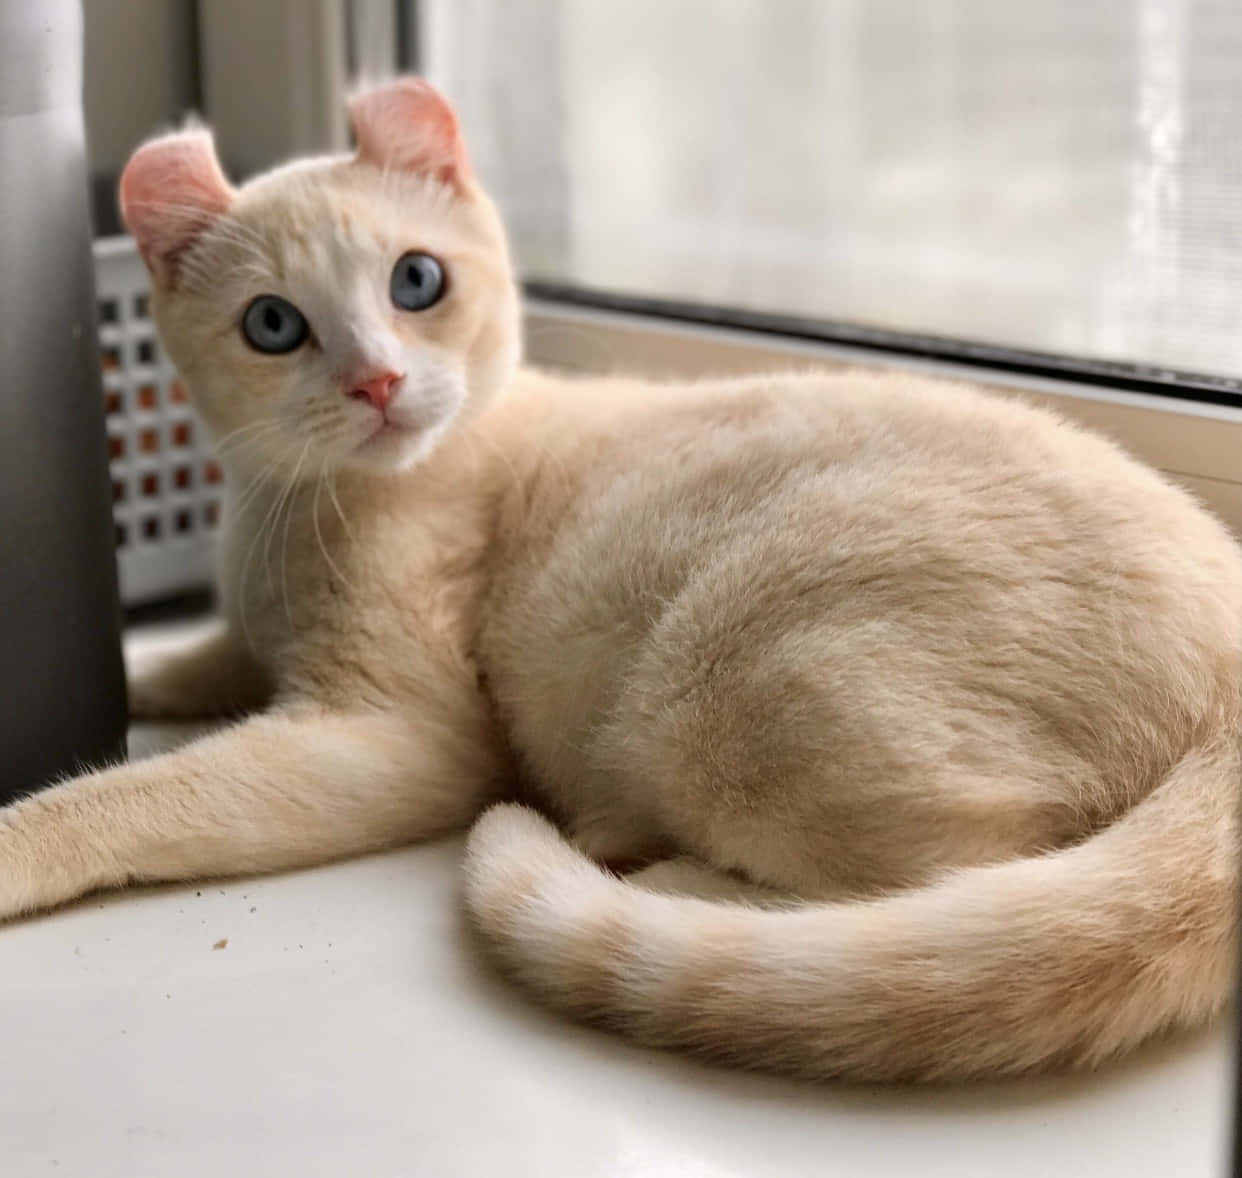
[1059,180]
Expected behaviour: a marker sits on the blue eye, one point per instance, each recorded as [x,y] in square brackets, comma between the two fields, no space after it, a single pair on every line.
[274,325]
[417,281]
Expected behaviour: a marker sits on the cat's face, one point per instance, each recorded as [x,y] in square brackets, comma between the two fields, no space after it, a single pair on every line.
[334,312]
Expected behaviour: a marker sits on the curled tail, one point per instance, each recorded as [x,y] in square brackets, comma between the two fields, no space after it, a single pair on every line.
[1057,960]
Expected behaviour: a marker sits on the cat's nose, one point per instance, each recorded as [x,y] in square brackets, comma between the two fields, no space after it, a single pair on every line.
[377,389]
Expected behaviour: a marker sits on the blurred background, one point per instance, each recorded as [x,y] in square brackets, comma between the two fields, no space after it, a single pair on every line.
[1063,178]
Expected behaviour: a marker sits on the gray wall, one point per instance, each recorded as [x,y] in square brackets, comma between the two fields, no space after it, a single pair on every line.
[270,76]
[141,73]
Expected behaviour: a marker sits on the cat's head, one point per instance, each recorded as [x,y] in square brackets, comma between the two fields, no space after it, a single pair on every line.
[340,311]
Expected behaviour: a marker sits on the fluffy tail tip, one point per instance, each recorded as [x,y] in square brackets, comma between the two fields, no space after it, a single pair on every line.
[513,857]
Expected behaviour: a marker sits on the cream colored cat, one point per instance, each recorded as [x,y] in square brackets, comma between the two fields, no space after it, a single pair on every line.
[960,677]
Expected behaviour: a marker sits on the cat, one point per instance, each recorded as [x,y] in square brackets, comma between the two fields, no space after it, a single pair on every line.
[956,681]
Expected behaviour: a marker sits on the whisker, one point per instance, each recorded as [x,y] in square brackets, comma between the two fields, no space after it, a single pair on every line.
[319,534]
[265,422]
[244,450]
[336,503]
[284,543]
[247,496]
[262,478]
[271,532]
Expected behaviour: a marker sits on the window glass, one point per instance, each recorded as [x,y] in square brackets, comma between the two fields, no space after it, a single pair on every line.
[1062,176]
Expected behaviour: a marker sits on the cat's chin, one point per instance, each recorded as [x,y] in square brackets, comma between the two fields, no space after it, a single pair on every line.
[394,449]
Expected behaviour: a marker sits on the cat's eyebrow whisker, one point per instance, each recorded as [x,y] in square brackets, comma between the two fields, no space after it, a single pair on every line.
[221,224]
[223,227]
[204,275]
[248,249]
[221,231]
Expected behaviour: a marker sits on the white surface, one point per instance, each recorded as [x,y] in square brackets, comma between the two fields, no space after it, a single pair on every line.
[349,1028]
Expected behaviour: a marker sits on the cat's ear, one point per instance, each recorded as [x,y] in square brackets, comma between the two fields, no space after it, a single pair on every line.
[171,190]
[408,125]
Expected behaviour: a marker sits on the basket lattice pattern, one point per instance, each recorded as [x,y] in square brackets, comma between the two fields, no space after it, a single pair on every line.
[166,487]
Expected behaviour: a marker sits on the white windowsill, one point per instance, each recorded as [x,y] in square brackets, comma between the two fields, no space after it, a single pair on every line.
[349,1028]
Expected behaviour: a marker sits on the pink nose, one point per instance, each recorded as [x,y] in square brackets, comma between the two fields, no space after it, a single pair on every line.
[376,389]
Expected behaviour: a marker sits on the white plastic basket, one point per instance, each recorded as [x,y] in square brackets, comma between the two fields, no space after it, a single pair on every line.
[166,488]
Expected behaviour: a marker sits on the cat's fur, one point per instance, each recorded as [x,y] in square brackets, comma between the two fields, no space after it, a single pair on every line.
[960,677]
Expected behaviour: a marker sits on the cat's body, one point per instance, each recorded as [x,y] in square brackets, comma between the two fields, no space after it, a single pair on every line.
[730,619]
[961,678]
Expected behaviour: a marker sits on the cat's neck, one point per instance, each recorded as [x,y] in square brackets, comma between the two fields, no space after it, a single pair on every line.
[309,555]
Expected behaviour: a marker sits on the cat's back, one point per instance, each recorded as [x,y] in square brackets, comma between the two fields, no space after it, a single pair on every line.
[854,465]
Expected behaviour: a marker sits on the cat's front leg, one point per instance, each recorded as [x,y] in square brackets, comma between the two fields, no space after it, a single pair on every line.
[280,790]
[211,674]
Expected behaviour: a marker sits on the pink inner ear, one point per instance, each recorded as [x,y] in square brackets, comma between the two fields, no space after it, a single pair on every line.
[171,190]
[408,124]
